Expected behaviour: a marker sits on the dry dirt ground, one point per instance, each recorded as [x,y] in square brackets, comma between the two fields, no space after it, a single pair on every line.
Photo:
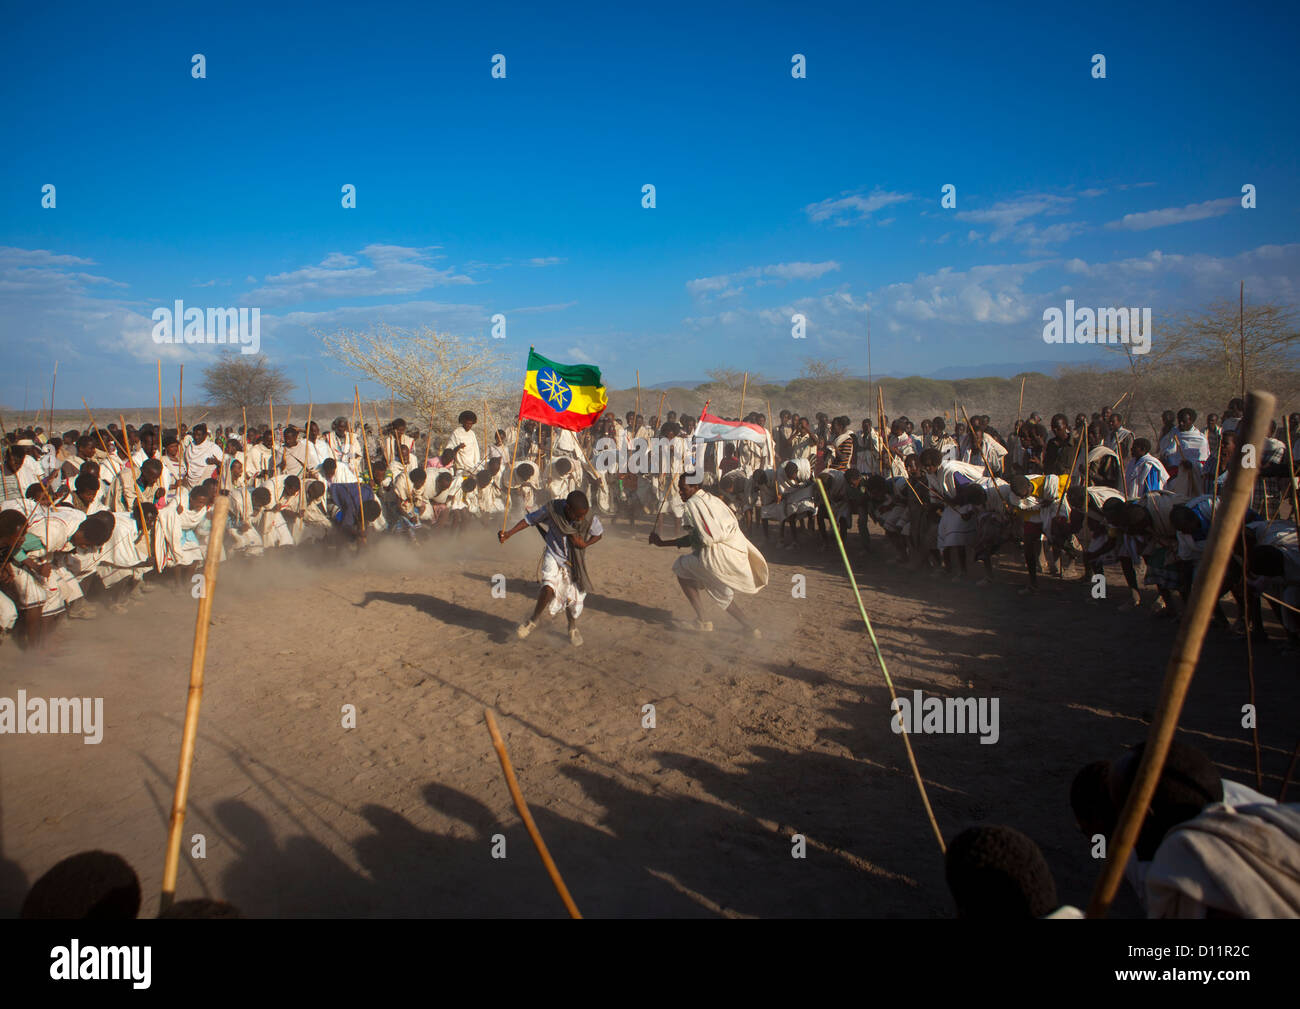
[754,740]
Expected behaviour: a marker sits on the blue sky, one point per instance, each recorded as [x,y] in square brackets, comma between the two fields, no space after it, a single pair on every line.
[523,195]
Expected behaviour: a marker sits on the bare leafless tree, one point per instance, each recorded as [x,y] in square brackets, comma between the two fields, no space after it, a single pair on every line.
[234,382]
[431,374]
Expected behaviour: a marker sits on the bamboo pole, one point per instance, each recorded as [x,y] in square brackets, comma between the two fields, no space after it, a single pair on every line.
[428,441]
[512,783]
[1250,658]
[989,470]
[53,382]
[189,733]
[880,658]
[1187,650]
[1241,322]
[1291,479]
[365,448]
[511,478]
[138,503]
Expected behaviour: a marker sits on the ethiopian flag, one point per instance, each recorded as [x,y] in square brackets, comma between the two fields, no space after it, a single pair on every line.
[562,395]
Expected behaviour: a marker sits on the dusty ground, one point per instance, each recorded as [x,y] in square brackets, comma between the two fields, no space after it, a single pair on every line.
[754,742]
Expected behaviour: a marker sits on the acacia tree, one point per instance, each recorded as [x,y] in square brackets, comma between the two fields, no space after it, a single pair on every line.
[435,375]
[235,382]
[1204,352]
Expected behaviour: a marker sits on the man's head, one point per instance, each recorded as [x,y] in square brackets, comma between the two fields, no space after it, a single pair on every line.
[94,532]
[1060,426]
[467,419]
[996,872]
[930,460]
[576,506]
[1188,782]
[86,488]
[1186,418]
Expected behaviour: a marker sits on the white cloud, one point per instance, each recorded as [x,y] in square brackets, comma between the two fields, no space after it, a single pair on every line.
[849,208]
[395,269]
[547,261]
[1009,220]
[1175,215]
[774,273]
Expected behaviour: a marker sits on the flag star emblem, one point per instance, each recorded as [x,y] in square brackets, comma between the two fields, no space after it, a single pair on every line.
[554,389]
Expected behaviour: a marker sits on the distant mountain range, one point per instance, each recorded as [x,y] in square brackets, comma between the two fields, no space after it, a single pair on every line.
[1005,369]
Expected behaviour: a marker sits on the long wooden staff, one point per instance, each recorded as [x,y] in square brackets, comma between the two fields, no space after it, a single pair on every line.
[743,388]
[1187,650]
[189,733]
[365,448]
[180,398]
[989,469]
[512,783]
[880,658]
[637,412]
[160,427]
[510,481]
[271,409]
[138,503]
[53,382]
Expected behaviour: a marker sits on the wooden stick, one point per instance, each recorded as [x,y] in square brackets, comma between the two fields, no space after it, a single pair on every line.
[989,470]
[637,412]
[1295,495]
[95,426]
[743,388]
[365,448]
[1290,768]
[1118,402]
[513,784]
[1250,657]
[53,383]
[428,441]
[880,658]
[511,478]
[1020,407]
[160,427]
[1187,650]
[189,733]
[180,398]
[138,503]
[271,408]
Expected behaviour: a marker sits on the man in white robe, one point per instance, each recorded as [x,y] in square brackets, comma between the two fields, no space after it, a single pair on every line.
[202,458]
[722,561]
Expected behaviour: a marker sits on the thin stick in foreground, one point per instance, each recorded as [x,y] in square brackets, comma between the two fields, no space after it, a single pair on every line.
[513,784]
[1187,650]
[191,730]
[880,658]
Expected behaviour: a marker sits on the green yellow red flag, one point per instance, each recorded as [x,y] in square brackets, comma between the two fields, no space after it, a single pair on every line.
[562,395]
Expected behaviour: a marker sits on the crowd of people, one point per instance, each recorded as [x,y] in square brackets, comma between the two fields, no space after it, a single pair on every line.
[105,513]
